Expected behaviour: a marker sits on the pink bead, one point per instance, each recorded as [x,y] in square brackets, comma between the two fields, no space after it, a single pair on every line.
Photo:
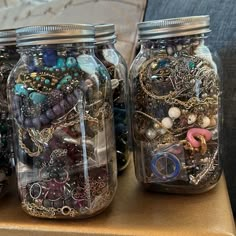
[194,132]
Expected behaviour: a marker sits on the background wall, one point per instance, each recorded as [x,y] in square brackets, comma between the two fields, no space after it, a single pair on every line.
[123,13]
[223,39]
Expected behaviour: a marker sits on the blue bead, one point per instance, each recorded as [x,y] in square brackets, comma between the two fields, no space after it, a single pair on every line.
[20,90]
[162,63]
[61,62]
[71,62]
[50,57]
[37,97]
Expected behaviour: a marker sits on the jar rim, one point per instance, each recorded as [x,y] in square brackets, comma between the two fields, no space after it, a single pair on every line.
[104,33]
[55,34]
[7,37]
[174,27]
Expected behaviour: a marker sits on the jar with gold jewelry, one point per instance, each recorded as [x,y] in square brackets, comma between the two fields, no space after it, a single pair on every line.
[8,58]
[175,98]
[61,99]
[114,62]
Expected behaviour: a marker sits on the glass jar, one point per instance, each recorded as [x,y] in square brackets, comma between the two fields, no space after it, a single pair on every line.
[8,58]
[114,62]
[175,93]
[61,98]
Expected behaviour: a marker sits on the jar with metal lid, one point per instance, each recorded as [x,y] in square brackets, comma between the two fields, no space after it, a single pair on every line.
[175,93]
[114,62]
[61,99]
[8,58]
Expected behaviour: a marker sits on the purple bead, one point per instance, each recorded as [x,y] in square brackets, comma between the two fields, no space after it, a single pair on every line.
[50,114]
[65,105]
[44,119]
[17,113]
[71,99]
[28,123]
[36,123]
[57,110]
[20,120]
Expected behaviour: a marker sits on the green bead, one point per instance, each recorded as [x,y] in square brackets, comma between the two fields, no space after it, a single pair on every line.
[37,78]
[76,74]
[63,69]
[51,69]
[47,81]
[191,65]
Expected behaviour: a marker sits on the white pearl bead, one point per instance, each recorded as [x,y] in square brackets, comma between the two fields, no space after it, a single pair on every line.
[170,50]
[191,119]
[174,112]
[205,122]
[167,122]
[213,121]
[179,47]
[151,133]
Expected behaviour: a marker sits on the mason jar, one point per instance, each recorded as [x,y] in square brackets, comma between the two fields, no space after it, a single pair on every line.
[114,62]
[175,94]
[8,58]
[61,99]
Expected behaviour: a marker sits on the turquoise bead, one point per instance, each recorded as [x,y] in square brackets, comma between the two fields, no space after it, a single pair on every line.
[61,62]
[47,81]
[20,90]
[71,62]
[76,74]
[64,80]
[37,78]
[37,97]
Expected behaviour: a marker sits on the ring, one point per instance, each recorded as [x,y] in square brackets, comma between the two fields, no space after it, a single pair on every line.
[172,165]
[31,190]
[66,210]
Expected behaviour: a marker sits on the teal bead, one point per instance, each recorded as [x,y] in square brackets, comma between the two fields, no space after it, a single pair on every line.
[51,69]
[65,79]
[37,78]
[47,81]
[71,62]
[59,86]
[191,65]
[61,62]
[63,69]
[37,98]
[76,74]
[20,90]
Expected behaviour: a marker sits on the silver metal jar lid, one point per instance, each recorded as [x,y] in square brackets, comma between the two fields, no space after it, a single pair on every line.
[104,33]
[8,37]
[174,27]
[55,34]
